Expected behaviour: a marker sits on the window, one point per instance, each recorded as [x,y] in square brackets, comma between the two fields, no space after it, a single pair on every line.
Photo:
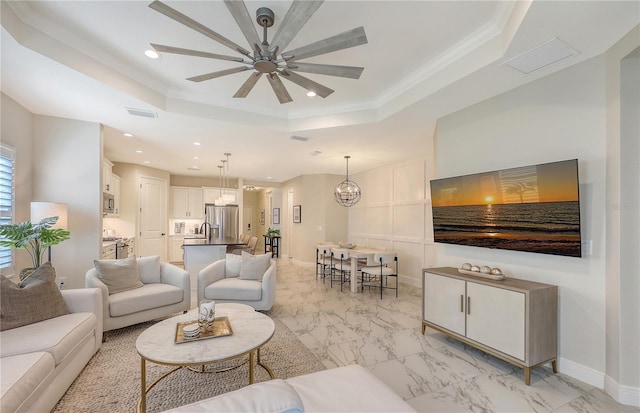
[7,197]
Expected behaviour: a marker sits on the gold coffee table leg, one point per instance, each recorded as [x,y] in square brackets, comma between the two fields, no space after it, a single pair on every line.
[251,372]
[143,387]
[264,366]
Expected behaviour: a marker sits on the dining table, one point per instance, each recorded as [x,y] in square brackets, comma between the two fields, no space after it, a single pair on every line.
[356,253]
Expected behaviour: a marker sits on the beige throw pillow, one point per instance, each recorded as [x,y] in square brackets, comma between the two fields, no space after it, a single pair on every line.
[253,267]
[38,299]
[119,275]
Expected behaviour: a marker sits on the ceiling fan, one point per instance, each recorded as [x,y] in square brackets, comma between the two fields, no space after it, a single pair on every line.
[272,59]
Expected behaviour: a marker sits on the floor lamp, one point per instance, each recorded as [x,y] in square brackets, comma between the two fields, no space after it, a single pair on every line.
[42,210]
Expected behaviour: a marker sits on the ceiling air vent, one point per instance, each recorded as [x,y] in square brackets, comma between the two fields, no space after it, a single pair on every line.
[300,138]
[541,56]
[142,112]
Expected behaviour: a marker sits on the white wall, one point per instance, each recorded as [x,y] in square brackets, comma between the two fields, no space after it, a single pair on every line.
[630,216]
[395,213]
[67,168]
[561,116]
[321,218]
[17,131]
[622,221]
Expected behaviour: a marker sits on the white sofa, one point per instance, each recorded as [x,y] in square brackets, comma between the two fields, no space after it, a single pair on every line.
[166,291]
[343,389]
[220,282]
[41,360]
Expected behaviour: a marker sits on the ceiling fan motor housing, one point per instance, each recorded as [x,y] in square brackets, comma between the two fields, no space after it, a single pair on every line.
[264,15]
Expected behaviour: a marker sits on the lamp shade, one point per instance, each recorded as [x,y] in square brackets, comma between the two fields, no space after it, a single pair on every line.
[42,210]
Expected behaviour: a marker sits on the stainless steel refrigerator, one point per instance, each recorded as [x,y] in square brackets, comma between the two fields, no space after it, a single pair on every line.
[224,221]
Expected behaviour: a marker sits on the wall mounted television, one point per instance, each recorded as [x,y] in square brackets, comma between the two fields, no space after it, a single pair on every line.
[531,208]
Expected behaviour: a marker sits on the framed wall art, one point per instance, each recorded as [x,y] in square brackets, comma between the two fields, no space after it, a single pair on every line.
[276,215]
[297,214]
[262,216]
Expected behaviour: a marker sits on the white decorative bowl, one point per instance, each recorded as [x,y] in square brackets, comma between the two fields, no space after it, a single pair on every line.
[485,269]
[466,266]
[475,268]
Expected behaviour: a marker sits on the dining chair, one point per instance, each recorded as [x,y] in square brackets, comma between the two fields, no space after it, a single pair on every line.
[341,264]
[323,260]
[386,265]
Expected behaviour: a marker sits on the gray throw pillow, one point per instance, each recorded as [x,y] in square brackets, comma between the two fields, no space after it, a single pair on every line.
[119,275]
[253,267]
[233,262]
[36,300]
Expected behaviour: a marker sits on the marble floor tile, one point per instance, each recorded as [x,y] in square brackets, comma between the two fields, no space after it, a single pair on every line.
[433,372]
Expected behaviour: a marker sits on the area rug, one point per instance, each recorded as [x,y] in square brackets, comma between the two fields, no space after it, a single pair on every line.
[111,380]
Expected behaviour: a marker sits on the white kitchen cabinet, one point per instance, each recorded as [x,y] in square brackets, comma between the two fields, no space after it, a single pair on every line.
[107,168]
[176,253]
[115,191]
[514,320]
[186,203]
[109,251]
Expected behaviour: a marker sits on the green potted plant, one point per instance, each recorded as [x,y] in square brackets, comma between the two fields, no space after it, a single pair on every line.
[35,238]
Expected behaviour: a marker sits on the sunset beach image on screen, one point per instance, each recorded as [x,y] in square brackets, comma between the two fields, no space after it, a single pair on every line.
[531,208]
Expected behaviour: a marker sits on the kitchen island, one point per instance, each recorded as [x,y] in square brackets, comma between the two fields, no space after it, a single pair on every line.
[200,252]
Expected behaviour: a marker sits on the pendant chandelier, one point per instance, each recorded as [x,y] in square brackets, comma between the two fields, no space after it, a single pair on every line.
[225,198]
[347,193]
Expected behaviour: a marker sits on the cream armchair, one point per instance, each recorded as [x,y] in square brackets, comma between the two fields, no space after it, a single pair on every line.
[165,290]
[240,279]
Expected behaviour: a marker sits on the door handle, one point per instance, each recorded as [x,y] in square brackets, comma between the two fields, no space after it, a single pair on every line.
[461,303]
[163,234]
[468,305]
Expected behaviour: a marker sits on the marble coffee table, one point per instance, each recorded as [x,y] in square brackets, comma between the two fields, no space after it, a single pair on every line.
[251,330]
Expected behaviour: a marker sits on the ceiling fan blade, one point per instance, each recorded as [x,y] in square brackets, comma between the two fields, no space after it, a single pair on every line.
[329,70]
[307,83]
[220,73]
[189,52]
[297,16]
[248,85]
[192,24]
[278,88]
[345,40]
[239,11]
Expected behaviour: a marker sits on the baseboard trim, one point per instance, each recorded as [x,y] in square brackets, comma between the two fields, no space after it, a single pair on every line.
[580,372]
[622,394]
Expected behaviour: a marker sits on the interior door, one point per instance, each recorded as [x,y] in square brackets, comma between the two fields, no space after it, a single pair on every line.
[153,217]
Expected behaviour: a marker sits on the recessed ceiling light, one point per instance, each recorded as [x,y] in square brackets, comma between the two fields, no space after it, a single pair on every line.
[147,162]
[196,157]
[151,54]
[128,135]
[311,93]
[194,168]
[196,143]
[268,177]
[138,151]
